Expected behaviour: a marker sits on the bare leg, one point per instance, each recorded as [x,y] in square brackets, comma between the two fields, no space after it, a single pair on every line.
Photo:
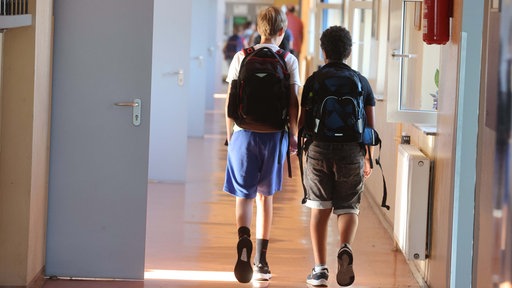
[318,230]
[264,213]
[243,212]
[347,227]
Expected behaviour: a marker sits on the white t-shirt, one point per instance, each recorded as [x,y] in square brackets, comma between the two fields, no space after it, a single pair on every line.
[291,63]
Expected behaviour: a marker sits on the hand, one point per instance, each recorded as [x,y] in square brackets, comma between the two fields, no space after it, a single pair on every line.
[293,145]
[367,170]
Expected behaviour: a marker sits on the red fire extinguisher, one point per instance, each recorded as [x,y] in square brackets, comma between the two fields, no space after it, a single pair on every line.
[436,21]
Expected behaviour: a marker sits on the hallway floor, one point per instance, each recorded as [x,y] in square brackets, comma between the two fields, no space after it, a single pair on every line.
[191,233]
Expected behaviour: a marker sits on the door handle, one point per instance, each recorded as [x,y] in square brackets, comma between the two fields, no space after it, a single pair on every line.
[200,60]
[397,54]
[127,104]
[135,110]
[178,73]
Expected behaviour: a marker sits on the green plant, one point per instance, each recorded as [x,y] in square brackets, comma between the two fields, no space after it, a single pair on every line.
[435,97]
[436,78]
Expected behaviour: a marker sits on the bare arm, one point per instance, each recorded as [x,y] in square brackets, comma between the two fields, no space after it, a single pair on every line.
[294,114]
[301,118]
[229,122]
[370,116]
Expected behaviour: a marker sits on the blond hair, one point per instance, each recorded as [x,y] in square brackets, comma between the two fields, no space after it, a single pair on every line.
[270,21]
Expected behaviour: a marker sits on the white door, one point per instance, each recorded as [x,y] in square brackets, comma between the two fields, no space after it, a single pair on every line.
[202,28]
[171,79]
[99,151]
[214,17]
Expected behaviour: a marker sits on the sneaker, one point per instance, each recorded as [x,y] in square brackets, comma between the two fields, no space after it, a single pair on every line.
[320,278]
[345,275]
[261,272]
[243,267]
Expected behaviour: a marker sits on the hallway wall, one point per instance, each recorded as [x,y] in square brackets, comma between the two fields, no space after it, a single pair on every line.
[436,269]
[25,146]
[486,182]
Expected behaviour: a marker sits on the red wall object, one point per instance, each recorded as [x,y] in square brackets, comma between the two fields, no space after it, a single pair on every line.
[436,21]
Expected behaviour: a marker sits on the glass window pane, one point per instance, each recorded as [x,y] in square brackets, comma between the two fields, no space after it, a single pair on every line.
[419,86]
[361,38]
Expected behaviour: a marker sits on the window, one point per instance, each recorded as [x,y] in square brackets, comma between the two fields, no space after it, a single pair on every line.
[413,69]
[357,17]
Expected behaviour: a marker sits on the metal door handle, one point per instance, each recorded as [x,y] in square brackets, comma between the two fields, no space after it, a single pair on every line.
[200,60]
[135,105]
[396,54]
[179,73]
[127,104]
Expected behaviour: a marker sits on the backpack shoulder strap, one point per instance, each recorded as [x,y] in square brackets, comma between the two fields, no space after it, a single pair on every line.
[358,80]
[248,50]
[384,188]
[302,148]
[282,55]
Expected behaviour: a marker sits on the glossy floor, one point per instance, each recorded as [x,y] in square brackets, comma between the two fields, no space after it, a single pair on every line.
[191,233]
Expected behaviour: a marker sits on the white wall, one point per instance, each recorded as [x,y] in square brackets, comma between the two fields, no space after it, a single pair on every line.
[25,94]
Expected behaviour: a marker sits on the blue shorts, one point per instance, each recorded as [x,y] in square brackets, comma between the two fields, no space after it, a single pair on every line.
[334,177]
[255,163]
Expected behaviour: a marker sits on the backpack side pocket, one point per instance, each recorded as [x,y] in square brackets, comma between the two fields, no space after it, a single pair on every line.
[234,101]
[370,137]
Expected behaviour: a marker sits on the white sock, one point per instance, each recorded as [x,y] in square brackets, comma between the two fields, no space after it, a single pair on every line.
[319,268]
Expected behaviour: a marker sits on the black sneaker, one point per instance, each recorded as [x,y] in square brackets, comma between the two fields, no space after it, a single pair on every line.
[243,267]
[345,276]
[320,278]
[261,272]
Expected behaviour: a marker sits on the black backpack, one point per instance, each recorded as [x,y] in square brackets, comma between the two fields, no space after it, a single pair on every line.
[260,97]
[335,107]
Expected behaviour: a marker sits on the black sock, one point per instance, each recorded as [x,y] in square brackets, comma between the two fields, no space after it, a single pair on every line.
[261,251]
[244,231]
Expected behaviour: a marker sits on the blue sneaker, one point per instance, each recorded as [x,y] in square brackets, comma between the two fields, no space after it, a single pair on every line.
[318,278]
[345,276]
[243,267]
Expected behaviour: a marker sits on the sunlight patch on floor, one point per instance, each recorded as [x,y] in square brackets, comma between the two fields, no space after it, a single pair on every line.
[190,275]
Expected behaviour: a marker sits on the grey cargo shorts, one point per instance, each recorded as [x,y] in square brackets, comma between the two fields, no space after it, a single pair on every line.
[334,177]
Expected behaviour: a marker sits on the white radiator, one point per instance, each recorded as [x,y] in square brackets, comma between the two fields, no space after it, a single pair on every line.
[411,202]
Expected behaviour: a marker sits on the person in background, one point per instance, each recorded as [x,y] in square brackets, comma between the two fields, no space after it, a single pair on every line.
[296,27]
[249,29]
[234,44]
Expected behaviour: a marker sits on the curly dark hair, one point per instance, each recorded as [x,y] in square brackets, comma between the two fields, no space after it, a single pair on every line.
[336,43]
